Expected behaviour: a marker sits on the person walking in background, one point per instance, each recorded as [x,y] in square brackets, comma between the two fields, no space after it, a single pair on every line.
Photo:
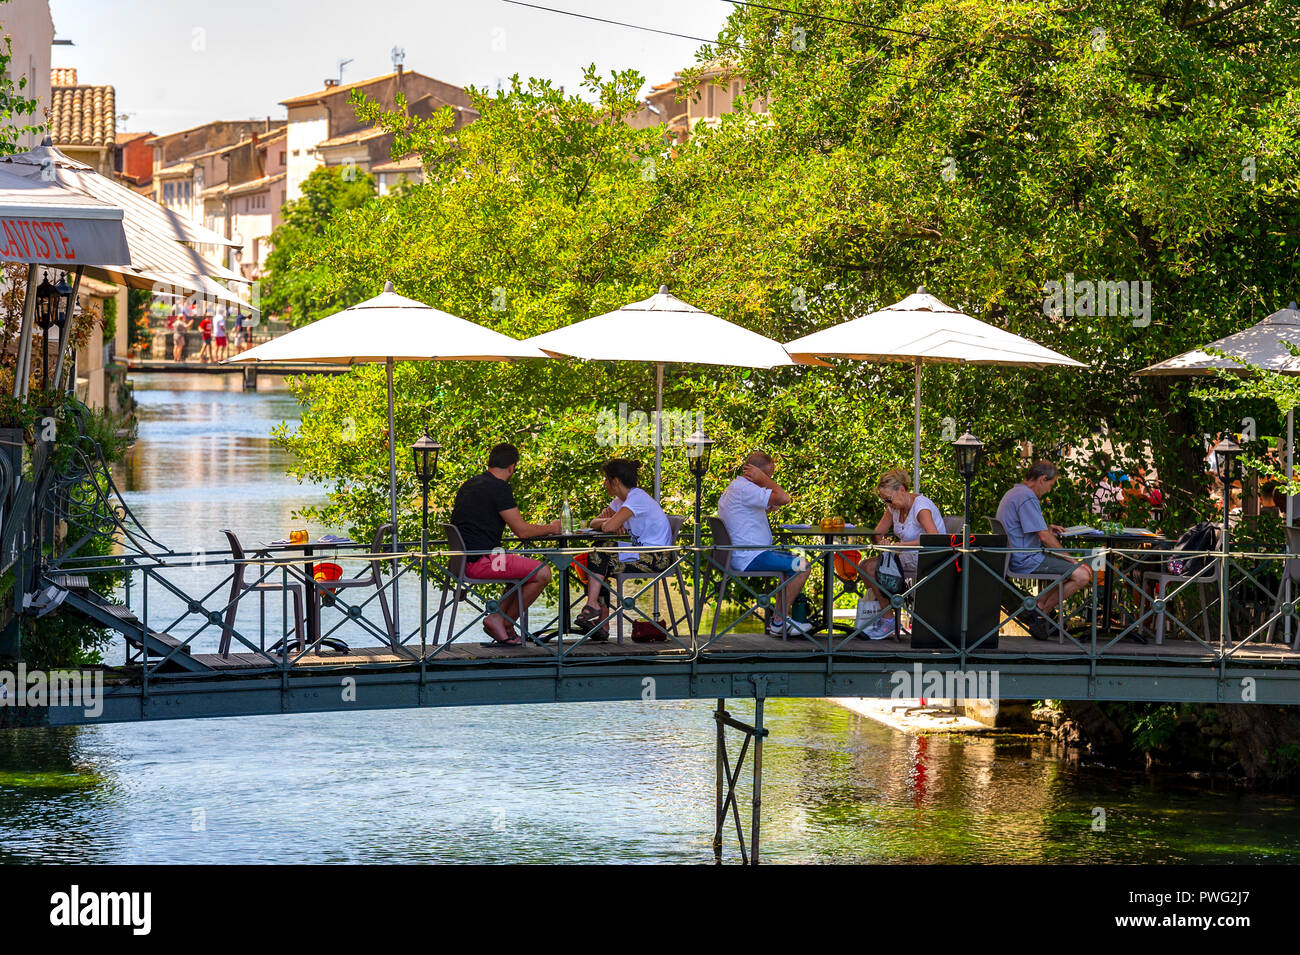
[179,327]
[205,327]
[219,333]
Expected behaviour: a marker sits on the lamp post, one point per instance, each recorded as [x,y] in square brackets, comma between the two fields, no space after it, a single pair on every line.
[1225,456]
[53,310]
[50,312]
[968,449]
[699,447]
[425,452]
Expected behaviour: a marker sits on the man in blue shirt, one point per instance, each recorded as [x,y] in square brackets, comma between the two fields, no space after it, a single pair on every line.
[1021,514]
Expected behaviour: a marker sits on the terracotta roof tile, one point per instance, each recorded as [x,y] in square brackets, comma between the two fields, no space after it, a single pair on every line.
[83,116]
[63,76]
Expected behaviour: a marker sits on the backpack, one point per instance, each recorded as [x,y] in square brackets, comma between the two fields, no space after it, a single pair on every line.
[1204,536]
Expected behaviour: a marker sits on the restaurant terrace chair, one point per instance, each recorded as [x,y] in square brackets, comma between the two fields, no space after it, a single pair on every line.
[1291,574]
[675,524]
[457,561]
[1057,581]
[720,556]
[238,589]
[369,577]
[952,524]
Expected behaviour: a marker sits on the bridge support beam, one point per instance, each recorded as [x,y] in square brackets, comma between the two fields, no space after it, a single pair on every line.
[727,777]
[250,377]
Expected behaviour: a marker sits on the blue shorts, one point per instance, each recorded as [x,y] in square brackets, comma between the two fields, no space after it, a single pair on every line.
[778,560]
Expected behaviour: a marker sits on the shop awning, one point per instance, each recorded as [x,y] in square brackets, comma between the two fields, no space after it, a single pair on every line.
[45,223]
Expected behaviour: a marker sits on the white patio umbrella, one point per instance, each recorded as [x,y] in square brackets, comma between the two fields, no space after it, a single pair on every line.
[664,330]
[386,329]
[1263,345]
[923,330]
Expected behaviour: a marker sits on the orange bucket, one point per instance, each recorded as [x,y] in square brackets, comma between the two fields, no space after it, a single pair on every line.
[324,572]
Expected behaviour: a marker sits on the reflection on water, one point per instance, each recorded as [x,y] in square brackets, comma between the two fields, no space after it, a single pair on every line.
[585,782]
[588,782]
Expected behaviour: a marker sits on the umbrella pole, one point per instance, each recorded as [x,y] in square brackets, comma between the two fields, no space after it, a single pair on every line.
[1290,461]
[23,357]
[392,495]
[659,420]
[916,432]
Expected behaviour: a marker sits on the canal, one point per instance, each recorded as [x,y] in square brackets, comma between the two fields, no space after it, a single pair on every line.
[629,782]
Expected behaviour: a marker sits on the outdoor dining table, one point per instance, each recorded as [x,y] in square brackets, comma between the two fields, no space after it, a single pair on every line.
[308,549]
[567,541]
[1129,538]
[826,621]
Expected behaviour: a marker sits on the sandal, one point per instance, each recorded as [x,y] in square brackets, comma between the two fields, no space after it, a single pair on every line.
[588,620]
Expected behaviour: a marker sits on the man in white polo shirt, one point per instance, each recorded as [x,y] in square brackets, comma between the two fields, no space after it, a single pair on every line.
[743,507]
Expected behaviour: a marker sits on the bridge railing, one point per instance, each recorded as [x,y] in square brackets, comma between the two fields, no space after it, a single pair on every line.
[1140,604]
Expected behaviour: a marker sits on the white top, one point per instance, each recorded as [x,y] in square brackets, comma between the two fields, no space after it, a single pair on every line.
[648,524]
[743,509]
[219,323]
[909,528]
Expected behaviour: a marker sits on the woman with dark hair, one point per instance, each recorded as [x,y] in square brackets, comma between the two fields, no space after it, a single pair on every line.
[646,524]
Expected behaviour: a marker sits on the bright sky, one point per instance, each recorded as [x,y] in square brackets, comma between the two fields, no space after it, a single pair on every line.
[179,63]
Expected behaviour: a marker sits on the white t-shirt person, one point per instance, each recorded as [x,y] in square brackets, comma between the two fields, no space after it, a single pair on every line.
[648,526]
[743,509]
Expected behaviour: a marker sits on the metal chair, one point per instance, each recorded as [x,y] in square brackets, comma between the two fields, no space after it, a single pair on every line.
[1290,575]
[675,525]
[952,524]
[1057,581]
[461,585]
[238,589]
[721,557]
[369,577]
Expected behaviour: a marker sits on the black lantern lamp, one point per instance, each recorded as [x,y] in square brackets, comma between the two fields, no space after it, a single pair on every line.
[1225,457]
[53,309]
[968,449]
[425,453]
[699,447]
[47,302]
[1226,453]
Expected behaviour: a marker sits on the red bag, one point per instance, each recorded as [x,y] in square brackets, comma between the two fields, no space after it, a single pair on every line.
[647,631]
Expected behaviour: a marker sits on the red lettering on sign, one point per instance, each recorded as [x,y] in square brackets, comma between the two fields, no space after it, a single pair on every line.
[68,251]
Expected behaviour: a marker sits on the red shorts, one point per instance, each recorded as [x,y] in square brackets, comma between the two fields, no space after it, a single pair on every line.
[502,566]
[221,341]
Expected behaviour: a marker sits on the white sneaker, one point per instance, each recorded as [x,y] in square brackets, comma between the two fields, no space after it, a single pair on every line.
[882,628]
[790,628]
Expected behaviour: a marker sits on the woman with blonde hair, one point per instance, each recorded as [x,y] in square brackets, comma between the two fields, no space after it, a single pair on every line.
[907,516]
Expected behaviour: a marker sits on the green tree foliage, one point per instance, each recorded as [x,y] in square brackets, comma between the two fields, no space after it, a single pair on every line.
[327,193]
[982,149]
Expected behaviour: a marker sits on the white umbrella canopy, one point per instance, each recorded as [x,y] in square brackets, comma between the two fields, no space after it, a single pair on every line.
[1263,345]
[390,327]
[663,329]
[386,329]
[921,329]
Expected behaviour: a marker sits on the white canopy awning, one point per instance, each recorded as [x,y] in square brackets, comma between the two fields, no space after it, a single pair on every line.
[45,223]
[1262,345]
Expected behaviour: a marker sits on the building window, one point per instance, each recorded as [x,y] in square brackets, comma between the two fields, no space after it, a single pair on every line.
[296,151]
[282,157]
[735,89]
[168,193]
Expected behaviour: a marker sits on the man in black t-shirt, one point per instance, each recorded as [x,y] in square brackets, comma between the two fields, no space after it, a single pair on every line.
[485,507]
